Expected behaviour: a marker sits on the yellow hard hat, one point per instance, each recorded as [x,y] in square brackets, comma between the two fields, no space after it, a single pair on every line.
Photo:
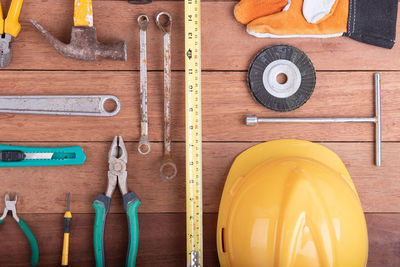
[290,203]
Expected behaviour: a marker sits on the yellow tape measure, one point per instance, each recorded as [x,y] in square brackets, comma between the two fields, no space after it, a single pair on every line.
[194,197]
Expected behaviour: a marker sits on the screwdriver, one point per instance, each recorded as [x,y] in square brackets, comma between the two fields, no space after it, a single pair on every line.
[67,226]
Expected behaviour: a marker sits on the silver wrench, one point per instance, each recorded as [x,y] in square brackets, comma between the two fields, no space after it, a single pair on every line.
[144,144]
[168,168]
[71,105]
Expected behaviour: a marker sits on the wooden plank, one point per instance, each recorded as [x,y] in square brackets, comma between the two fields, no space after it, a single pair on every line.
[384,239]
[117,20]
[162,240]
[338,94]
[43,190]
[226,100]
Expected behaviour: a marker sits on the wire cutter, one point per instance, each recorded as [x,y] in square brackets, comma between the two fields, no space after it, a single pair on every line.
[117,159]
[10,206]
[9,29]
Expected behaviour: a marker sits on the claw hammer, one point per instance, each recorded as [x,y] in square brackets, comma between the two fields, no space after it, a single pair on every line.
[84,44]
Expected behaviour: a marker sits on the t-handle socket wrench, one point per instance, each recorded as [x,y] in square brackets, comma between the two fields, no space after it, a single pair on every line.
[144,144]
[168,167]
[253,120]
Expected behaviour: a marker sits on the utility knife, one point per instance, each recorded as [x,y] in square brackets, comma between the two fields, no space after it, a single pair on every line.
[18,156]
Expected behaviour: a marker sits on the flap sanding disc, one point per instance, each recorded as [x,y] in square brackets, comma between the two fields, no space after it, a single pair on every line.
[281,78]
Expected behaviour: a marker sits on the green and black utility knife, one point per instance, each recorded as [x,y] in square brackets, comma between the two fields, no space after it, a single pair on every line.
[18,156]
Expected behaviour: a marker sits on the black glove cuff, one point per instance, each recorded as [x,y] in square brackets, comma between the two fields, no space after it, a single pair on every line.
[373,22]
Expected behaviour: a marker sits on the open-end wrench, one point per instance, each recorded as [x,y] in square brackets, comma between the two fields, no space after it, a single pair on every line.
[168,167]
[144,144]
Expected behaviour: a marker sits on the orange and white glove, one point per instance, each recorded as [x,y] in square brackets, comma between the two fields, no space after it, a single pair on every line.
[368,21]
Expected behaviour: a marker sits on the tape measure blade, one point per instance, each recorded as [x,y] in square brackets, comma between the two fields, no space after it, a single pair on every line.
[194,202]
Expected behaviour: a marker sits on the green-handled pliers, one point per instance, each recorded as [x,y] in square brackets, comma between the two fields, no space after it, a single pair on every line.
[117,159]
[10,206]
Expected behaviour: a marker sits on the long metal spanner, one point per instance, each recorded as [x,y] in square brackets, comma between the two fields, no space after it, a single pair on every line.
[168,167]
[69,105]
[144,144]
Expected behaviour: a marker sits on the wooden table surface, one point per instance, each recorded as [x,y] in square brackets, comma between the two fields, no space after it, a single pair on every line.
[344,88]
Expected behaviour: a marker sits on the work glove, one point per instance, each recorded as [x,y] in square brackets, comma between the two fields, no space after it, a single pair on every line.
[368,21]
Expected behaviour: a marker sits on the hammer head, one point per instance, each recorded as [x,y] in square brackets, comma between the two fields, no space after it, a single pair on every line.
[84,44]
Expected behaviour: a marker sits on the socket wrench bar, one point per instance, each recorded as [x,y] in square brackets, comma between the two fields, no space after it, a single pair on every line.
[252,120]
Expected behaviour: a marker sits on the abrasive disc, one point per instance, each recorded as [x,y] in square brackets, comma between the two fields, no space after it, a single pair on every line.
[281,78]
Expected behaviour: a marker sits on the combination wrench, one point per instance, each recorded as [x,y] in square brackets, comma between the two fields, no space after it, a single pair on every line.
[168,168]
[144,144]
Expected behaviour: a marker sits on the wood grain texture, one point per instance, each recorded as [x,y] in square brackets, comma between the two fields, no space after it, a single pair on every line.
[226,101]
[378,187]
[162,240]
[344,89]
[32,51]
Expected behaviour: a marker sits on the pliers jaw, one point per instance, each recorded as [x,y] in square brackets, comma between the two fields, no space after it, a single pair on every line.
[5,51]
[10,206]
[117,160]
[118,151]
